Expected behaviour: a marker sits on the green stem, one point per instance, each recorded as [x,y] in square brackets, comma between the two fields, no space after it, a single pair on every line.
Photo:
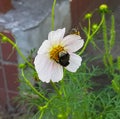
[105,39]
[18,50]
[112,33]
[104,28]
[55,87]
[45,106]
[30,85]
[41,115]
[53,15]
[89,26]
[62,87]
[90,36]
[63,84]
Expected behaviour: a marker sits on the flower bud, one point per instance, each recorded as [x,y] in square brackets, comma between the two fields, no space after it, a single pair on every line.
[4,39]
[94,27]
[22,66]
[88,16]
[103,8]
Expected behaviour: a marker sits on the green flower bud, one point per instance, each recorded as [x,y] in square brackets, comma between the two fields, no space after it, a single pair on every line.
[94,27]
[4,39]
[88,16]
[22,66]
[103,8]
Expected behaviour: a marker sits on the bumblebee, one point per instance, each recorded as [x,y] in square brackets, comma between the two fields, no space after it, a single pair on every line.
[64,58]
[75,31]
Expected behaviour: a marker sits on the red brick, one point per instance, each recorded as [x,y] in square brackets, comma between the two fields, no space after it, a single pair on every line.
[1,79]
[11,72]
[1,65]
[3,98]
[8,52]
[0,51]
[8,34]
[5,5]
[12,97]
[80,7]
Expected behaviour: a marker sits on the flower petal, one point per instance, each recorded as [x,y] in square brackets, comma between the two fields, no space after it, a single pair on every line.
[56,36]
[44,48]
[72,43]
[75,62]
[44,66]
[57,74]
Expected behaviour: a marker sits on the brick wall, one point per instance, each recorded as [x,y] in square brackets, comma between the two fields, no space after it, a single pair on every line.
[80,7]
[8,66]
[8,74]
[5,5]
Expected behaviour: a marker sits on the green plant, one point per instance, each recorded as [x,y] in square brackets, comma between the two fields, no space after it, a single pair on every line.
[75,97]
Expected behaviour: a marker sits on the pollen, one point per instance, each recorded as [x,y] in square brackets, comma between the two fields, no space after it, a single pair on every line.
[54,52]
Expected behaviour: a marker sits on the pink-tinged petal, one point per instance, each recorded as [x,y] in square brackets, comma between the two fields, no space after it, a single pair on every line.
[56,36]
[44,67]
[57,74]
[75,62]
[44,48]
[72,43]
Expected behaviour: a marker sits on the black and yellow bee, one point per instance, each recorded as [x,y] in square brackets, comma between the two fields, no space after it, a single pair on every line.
[75,31]
[64,58]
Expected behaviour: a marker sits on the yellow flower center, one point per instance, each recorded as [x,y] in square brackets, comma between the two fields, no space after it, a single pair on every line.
[54,52]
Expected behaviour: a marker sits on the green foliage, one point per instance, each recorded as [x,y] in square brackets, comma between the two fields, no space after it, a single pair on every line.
[78,95]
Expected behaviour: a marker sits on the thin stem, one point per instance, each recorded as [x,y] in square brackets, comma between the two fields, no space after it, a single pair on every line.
[62,87]
[112,33]
[53,15]
[63,84]
[18,50]
[105,34]
[55,87]
[45,106]
[41,115]
[90,36]
[107,58]
[30,85]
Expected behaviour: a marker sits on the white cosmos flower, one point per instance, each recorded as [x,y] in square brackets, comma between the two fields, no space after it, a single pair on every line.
[58,52]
